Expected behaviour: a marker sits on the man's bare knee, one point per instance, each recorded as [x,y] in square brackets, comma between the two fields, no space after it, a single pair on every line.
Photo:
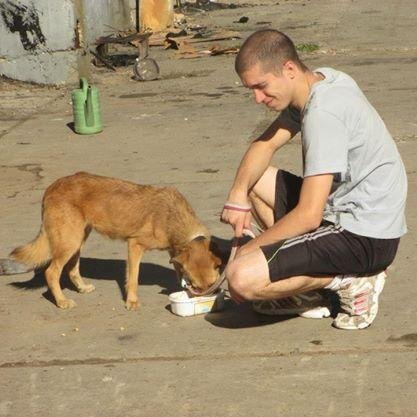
[241,283]
[237,280]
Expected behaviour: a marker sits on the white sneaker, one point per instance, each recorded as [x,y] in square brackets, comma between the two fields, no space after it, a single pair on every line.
[359,302]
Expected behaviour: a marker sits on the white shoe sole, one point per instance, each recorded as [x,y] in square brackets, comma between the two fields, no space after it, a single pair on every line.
[316,313]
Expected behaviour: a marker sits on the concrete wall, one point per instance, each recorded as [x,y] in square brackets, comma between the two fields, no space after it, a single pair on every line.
[104,16]
[44,41]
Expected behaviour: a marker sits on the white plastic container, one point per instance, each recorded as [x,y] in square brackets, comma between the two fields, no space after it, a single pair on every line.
[183,305]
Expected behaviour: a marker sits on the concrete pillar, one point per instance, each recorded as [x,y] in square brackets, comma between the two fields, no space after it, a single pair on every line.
[81,40]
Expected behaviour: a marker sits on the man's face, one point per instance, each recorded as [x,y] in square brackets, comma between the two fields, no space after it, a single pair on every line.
[274,90]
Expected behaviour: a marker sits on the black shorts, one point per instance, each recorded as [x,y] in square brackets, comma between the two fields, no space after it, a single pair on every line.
[328,250]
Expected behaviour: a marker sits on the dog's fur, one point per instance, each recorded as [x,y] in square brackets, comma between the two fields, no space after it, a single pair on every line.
[146,217]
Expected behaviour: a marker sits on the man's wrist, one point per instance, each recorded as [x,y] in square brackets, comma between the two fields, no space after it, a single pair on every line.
[238,197]
[237,206]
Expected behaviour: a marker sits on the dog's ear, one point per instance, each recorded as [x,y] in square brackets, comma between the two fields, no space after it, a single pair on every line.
[180,259]
[216,260]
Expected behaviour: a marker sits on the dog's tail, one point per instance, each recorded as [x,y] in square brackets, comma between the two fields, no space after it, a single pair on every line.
[33,255]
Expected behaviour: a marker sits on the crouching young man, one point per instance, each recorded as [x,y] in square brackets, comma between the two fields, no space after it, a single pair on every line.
[339,226]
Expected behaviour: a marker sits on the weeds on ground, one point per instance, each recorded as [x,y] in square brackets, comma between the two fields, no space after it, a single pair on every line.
[307,47]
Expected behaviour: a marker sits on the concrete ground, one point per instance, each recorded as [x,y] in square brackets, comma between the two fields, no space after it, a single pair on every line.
[189,129]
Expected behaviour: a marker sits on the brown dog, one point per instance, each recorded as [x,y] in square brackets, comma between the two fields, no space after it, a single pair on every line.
[146,217]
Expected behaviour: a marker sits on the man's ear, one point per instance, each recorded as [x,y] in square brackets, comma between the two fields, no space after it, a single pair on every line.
[290,69]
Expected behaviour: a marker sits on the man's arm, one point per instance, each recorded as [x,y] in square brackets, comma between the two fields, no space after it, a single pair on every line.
[306,215]
[254,163]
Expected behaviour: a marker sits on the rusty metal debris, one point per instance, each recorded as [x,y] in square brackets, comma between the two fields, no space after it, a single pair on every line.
[204,6]
[144,68]
[186,46]
[185,41]
[187,51]
[174,38]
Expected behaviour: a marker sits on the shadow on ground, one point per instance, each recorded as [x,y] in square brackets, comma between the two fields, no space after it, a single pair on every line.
[233,316]
[237,316]
[107,269]
[241,316]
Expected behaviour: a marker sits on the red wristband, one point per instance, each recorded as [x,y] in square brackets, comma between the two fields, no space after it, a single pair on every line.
[237,207]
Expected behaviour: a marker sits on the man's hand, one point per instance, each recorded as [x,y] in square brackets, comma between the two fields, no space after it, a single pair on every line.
[238,216]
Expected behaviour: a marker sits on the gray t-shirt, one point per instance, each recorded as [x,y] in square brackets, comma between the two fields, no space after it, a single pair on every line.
[343,134]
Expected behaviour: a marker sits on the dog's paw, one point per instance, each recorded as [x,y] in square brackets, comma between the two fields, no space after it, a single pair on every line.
[66,304]
[86,288]
[132,305]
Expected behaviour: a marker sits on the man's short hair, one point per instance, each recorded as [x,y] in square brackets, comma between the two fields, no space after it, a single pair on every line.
[268,47]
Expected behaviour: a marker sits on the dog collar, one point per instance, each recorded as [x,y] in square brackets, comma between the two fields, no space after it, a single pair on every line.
[197,238]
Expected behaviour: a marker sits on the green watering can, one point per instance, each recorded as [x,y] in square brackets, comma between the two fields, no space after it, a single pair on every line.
[86,109]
